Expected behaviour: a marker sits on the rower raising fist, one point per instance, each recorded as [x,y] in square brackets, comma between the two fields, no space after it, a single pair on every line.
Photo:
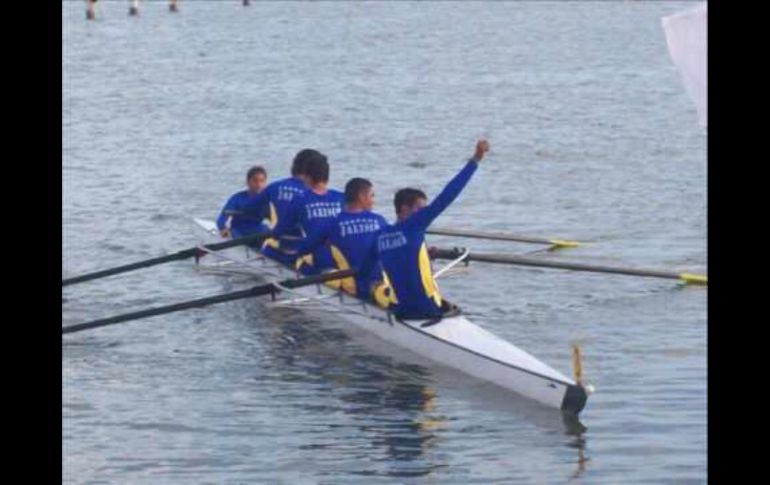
[482,147]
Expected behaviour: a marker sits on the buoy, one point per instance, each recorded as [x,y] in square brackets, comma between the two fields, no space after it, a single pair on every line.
[172,6]
[245,3]
[90,11]
[133,10]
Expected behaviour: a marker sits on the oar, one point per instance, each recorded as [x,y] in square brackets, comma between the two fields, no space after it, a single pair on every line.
[183,254]
[266,289]
[500,236]
[525,261]
[244,215]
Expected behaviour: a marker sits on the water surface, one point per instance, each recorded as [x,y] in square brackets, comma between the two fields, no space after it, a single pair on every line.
[593,137]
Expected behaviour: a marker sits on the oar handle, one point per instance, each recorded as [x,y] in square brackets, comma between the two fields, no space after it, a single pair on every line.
[244,215]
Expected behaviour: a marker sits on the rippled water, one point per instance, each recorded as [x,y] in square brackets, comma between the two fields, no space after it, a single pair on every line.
[593,138]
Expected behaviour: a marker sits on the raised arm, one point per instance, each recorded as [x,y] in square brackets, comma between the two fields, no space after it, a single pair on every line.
[425,216]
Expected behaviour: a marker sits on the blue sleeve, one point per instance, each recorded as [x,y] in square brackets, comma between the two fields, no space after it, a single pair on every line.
[231,204]
[314,240]
[369,264]
[290,217]
[424,217]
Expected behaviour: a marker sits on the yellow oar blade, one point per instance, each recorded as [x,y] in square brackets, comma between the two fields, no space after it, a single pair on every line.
[694,279]
[562,243]
[577,364]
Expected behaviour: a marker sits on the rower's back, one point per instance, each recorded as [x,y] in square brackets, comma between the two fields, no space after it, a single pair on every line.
[313,212]
[412,291]
[350,237]
[278,196]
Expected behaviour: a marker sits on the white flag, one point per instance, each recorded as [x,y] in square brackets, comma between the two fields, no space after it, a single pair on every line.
[687,38]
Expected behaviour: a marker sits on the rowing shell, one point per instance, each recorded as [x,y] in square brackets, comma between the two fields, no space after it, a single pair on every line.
[454,341]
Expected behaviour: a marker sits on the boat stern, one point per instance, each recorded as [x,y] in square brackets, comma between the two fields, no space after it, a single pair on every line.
[574,399]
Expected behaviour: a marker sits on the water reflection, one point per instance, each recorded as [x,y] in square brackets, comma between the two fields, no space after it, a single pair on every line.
[575,429]
[394,400]
[402,420]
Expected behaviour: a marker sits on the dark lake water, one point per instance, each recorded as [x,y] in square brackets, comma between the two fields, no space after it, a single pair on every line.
[593,137]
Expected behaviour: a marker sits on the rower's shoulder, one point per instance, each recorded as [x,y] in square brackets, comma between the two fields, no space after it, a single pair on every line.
[336,194]
[285,181]
[241,194]
[388,227]
[383,222]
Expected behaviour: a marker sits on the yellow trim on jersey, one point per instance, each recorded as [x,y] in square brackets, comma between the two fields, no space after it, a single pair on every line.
[307,260]
[304,260]
[426,274]
[347,284]
[271,243]
[273,216]
[383,293]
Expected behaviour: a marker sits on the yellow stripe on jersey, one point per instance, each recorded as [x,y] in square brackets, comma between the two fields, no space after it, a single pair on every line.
[347,284]
[273,216]
[304,260]
[271,243]
[426,274]
[383,293]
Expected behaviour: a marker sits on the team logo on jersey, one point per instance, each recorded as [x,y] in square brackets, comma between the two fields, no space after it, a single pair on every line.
[322,210]
[358,226]
[391,240]
[287,192]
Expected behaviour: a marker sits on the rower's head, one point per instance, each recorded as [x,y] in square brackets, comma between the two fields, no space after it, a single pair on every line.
[408,201]
[256,179]
[359,194]
[301,160]
[316,170]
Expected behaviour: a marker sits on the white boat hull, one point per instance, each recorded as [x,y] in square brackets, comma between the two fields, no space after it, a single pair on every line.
[453,342]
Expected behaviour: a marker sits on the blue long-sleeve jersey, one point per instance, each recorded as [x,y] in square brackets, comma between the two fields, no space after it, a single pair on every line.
[313,213]
[278,196]
[350,237]
[402,252]
[243,224]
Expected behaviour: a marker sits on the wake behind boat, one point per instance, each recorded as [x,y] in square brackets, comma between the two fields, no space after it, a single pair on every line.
[451,340]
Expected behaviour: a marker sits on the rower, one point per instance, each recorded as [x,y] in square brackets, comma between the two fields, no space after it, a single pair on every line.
[312,212]
[409,288]
[350,235]
[278,196]
[232,223]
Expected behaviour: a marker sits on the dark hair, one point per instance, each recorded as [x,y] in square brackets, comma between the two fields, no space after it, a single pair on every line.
[301,159]
[354,188]
[408,196]
[255,170]
[317,168]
